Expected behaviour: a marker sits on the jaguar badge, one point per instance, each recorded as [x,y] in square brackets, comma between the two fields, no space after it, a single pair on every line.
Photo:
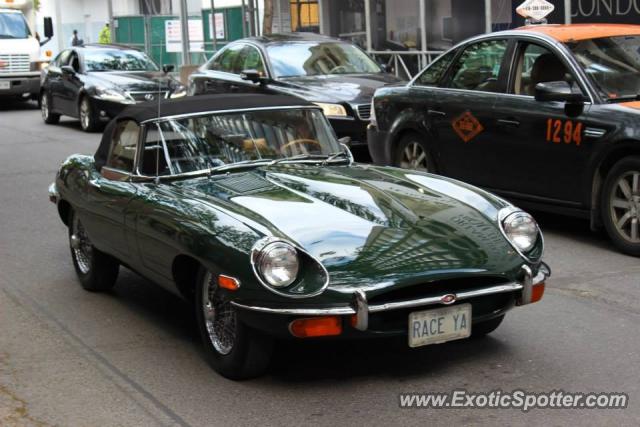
[448,299]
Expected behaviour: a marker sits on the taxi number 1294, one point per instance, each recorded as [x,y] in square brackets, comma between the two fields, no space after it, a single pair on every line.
[566,131]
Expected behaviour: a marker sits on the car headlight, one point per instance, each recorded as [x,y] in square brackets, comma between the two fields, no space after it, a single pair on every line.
[278,264]
[113,95]
[521,229]
[332,110]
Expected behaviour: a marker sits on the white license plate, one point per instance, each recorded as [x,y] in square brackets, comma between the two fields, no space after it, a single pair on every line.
[5,85]
[439,325]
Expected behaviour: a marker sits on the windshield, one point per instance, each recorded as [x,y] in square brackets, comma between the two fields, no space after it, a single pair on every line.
[118,60]
[315,59]
[13,26]
[193,144]
[612,64]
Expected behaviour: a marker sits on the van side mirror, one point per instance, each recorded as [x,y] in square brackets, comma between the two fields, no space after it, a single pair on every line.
[560,91]
[167,68]
[48,27]
[252,76]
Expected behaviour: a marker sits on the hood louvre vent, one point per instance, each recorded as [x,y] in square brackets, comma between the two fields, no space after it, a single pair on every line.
[245,183]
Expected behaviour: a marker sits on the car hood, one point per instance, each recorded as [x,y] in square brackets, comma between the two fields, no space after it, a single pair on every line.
[367,224]
[132,80]
[353,89]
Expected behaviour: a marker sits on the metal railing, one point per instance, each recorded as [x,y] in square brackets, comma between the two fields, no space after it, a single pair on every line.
[406,63]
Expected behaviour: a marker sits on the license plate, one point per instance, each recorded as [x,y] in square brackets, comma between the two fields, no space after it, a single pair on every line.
[439,325]
[5,85]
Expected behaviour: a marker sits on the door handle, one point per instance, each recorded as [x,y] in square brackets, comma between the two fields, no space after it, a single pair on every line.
[234,88]
[436,113]
[509,122]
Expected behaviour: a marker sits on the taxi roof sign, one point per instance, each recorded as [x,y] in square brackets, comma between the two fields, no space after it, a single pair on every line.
[536,10]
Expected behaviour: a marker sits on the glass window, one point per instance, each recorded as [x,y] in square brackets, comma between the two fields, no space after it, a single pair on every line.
[13,26]
[118,60]
[435,72]
[123,146]
[537,64]
[304,15]
[612,64]
[198,143]
[227,60]
[479,65]
[250,59]
[314,59]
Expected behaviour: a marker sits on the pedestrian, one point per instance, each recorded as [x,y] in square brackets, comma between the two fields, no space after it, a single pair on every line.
[75,41]
[105,35]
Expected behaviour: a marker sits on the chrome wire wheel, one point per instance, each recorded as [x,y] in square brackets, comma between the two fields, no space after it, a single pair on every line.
[44,106]
[414,157]
[85,114]
[219,316]
[624,205]
[81,246]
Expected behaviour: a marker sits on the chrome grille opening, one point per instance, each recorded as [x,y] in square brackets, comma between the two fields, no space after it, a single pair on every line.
[15,63]
[148,95]
[438,287]
[364,111]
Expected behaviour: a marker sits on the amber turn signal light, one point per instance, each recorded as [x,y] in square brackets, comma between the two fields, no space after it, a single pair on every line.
[228,282]
[537,292]
[316,327]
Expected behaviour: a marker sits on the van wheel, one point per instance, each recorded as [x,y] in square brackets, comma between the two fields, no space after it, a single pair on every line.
[413,153]
[620,205]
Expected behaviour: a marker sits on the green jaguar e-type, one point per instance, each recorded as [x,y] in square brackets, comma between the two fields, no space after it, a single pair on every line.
[250,207]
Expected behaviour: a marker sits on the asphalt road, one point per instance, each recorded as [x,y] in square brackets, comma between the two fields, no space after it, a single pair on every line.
[132,357]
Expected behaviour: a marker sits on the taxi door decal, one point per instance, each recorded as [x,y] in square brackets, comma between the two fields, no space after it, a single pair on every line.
[467,126]
[566,131]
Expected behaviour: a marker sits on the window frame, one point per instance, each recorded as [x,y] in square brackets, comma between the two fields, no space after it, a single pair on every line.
[114,173]
[505,65]
[415,82]
[520,45]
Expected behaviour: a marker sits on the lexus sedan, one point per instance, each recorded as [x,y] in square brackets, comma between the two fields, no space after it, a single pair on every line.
[96,82]
[248,207]
[336,75]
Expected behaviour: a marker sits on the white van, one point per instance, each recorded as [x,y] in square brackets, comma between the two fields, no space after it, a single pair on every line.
[20,57]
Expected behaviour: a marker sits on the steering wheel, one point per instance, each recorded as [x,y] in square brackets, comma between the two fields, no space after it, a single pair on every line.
[302,141]
[339,69]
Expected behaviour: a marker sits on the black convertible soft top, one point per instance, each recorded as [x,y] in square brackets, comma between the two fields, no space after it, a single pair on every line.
[191,105]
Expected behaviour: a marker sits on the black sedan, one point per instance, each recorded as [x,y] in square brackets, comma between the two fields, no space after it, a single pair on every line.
[96,82]
[336,75]
[544,115]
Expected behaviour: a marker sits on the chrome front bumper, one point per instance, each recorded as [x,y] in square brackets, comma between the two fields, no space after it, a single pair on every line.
[361,309]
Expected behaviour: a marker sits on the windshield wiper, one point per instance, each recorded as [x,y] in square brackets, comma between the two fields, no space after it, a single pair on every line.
[334,156]
[298,157]
[237,165]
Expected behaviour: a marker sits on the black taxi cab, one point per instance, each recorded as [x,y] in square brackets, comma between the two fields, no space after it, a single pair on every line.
[545,115]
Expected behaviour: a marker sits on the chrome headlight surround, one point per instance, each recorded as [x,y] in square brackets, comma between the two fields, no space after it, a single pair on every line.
[332,110]
[113,95]
[512,221]
[271,245]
